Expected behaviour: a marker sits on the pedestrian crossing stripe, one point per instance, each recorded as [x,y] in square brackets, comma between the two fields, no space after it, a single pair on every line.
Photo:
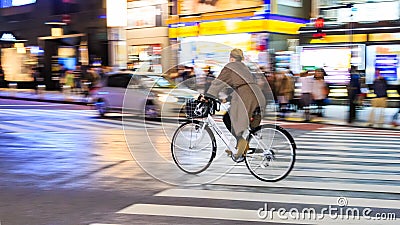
[70,125]
[75,125]
[43,112]
[351,140]
[337,186]
[344,175]
[240,214]
[195,212]
[375,133]
[347,137]
[349,128]
[321,147]
[338,144]
[38,125]
[281,198]
[14,128]
[335,152]
[353,159]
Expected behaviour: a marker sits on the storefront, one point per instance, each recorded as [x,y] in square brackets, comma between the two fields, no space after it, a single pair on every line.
[366,35]
[147,35]
[369,46]
[209,40]
[62,50]
[17,60]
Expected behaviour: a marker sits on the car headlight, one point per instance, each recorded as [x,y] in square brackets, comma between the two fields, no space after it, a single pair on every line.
[167,98]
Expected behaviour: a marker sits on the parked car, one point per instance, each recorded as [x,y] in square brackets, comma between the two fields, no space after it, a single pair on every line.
[143,93]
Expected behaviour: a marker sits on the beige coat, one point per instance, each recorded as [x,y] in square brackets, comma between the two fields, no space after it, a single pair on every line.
[246,97]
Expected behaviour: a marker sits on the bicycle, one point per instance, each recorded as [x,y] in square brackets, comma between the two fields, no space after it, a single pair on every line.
[270,157]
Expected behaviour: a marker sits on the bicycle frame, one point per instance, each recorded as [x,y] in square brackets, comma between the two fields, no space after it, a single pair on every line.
[213,125]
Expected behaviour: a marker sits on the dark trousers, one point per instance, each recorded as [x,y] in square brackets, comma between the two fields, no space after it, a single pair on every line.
[320,105]
[228,124]
[352,111]
[396,115]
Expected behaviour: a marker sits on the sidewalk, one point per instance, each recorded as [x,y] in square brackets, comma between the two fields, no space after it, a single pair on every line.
[43,96]
[334,114]
[337,115]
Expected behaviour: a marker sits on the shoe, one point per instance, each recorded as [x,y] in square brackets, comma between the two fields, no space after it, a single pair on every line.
[228,152]
[369,125]
[394,124]
[234,157]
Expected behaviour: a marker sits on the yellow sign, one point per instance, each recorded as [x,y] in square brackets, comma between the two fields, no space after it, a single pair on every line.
[284,27]
[384,37]
[203,6]
[340,39]
[235,26]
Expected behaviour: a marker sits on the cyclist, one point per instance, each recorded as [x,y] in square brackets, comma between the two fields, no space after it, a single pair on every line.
[247,99]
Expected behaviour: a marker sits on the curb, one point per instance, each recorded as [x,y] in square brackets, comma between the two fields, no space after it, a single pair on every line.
[45,100]
[344,125]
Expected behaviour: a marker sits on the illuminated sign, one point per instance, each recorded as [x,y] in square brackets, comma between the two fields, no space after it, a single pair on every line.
[386,59]
[374,11]
[7,37]
[22,2]
[142,17]
[202,6]
[117,13]
[293,3]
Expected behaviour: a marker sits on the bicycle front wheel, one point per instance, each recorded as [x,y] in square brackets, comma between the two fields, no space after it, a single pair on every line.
[271,154]
[193,147]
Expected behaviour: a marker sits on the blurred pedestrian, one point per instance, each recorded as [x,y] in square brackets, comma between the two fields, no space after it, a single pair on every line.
[379,102]
[2,77]
[353,93]
[78,73]
[271,77]
[284,90]
[209,79]
[320,91]
[69,79]
[396,115]
[35,76]
[307,83]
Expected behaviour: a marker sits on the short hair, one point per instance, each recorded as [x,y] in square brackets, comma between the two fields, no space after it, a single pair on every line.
[237,54]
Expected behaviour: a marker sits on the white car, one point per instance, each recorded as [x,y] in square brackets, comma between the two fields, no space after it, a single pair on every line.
[146,94]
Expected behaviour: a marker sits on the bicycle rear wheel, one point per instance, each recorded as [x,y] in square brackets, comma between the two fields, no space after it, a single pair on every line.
[193,148]
[271,154]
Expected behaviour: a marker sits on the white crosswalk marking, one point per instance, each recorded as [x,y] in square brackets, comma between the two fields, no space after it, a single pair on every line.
[42,120]
[331,162]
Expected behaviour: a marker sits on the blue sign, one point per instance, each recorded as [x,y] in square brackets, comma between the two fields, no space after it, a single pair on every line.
[267,6]
[387,66]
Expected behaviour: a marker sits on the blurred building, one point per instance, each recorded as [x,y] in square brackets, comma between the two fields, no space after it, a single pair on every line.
[205,30]
[361,33]
[49,33]
[147,34]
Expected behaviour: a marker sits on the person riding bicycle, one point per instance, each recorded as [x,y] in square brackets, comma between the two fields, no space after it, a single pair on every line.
[248,101]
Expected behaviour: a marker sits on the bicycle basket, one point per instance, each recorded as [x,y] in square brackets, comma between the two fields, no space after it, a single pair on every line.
[197,109]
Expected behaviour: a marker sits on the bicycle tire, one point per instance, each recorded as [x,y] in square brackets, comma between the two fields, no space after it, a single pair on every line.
[187,161]
[274,134]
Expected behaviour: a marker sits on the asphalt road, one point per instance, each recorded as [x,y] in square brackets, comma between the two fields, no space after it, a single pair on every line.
[62,164]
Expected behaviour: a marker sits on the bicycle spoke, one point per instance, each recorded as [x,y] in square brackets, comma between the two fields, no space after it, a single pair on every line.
[272,153]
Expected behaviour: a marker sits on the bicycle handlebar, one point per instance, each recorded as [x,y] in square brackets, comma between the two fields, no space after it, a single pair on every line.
[214,103]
